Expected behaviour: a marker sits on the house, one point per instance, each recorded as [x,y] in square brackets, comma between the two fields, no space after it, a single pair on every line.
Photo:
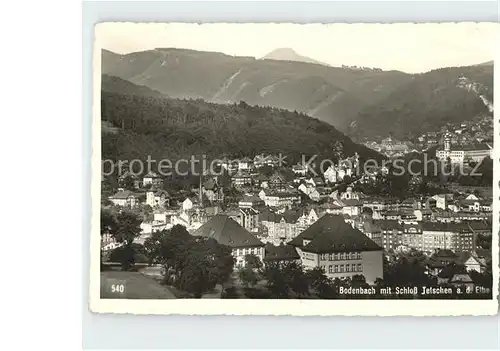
[350,207]
[330,175]
[245,163]
[455,275]
[280,199]
[213,191]
[458,154]
[153,179]
[440,259]
[378,204]
[480,227]
[412,236]
[340,249]
[269,160]
[157,198]
[422,215]
[154,226]
[453,236]
[371,230]
[316,181]
[391,233]
[310,191]
[262,181]
[251,201]
[280,254]
[443,200]
[475,205]
[249,219]
[280,228]
[241,179]
[300,169]
[165,216]
[194,202]
[308,217]
[331,208]
[475,263]
[227,232]
[277,181]
[349,194]
[124,198]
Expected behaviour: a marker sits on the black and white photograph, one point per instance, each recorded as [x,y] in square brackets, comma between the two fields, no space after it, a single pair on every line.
[310,168]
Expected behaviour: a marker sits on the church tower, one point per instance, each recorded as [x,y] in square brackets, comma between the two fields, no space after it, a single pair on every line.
[447,143]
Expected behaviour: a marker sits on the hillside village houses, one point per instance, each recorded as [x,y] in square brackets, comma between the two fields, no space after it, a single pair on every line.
[463,153]
[342,230]
[152,178]
[125,198]
[157,197]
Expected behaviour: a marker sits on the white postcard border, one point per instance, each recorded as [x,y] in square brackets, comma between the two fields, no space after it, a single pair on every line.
[284,307]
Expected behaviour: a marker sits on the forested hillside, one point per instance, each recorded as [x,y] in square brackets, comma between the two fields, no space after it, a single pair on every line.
[137,126]
[428,102]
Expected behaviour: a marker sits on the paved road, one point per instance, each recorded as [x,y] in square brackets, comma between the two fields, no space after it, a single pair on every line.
[135,286]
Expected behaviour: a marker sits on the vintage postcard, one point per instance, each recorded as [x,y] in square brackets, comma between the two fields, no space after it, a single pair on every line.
[295,169]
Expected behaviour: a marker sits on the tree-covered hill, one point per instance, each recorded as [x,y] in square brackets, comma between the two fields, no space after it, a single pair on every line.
[428,102]
[112,84]
[357,101]
[174,128]
[332,94]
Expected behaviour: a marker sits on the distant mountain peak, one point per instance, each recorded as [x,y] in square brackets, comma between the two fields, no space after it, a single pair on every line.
[487,63]
[289,54]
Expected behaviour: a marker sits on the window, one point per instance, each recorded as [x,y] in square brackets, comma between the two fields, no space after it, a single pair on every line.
[353,267]
[349,256]
[336,257]
[336,268]
[342,256]
[347,268]
[238,252]
[341,268]
[330,269]
[360,267]
[359,255]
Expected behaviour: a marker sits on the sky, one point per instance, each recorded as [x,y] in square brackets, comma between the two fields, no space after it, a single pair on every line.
[411,48]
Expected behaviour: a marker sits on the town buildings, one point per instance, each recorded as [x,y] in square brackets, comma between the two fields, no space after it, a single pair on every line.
[125,198]
[227,232]
[463,153]
[341,250]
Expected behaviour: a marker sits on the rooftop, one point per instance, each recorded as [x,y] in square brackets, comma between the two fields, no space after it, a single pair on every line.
[280,253]
[227,232]
[331,233]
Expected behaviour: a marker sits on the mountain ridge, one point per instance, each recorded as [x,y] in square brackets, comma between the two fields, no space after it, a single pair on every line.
[340,96]
[288,54]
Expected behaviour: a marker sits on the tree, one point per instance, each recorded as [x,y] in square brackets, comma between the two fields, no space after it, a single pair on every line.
[108,221]
[321,283]
[195,277]
[193,264]
[126,227]
[276,281]
[296,278]
[128,183]
[253,262]
[248,276]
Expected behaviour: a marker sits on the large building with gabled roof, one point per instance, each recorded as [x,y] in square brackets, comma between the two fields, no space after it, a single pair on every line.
[226,231]
[341,250]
